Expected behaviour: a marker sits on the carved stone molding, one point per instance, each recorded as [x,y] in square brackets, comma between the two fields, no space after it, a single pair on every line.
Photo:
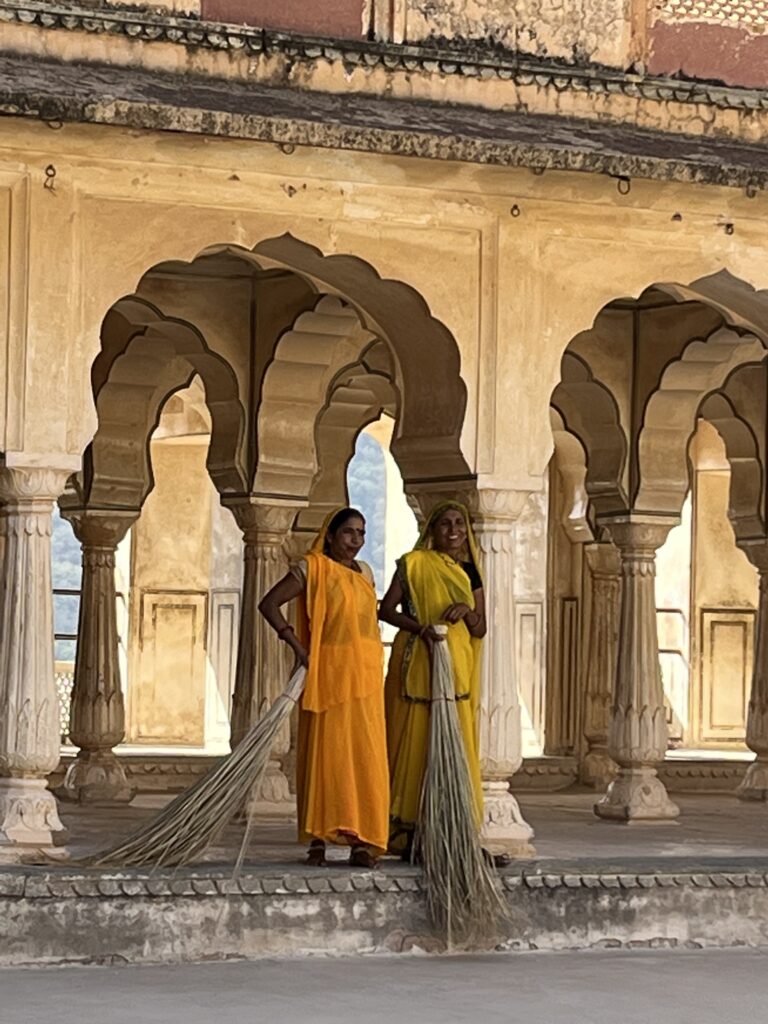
[97,715]
[637,737]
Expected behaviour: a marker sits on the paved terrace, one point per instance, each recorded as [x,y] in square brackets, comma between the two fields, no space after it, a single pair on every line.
[702,882]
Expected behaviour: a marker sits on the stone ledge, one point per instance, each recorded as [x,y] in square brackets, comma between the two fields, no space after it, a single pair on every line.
[56,93]
[64,884]
[58,916]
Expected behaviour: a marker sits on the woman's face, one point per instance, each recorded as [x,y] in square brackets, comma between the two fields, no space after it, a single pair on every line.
[449,532]
[344,545]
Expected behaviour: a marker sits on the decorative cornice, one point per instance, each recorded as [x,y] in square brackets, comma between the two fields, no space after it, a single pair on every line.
[56,93]
[465,60]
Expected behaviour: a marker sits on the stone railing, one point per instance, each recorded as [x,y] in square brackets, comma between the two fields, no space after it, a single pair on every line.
[64,678]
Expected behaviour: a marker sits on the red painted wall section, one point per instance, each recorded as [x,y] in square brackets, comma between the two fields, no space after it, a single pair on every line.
[731,55]
[340,19]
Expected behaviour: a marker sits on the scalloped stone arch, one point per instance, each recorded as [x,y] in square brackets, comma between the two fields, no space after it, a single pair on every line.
[427,365]
[571,463]
[295,386]
[745,495]
[145,358]
[358,396]
[589,412]
[669,419]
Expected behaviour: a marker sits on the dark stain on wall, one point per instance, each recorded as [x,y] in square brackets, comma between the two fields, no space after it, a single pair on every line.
[712,52]
[338,18]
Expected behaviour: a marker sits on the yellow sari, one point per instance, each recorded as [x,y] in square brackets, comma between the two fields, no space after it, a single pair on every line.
[341,773]
[431,581]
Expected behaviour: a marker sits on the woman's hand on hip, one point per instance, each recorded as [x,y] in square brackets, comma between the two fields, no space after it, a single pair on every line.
[302,655]
[456,612]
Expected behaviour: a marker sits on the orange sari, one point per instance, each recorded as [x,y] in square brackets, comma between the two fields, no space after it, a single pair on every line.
[342,778]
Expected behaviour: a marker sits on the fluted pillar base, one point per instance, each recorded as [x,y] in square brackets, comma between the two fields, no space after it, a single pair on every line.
[636,795]
[505,830]
[28,815]
[96,777]
[754,785]
[598,769]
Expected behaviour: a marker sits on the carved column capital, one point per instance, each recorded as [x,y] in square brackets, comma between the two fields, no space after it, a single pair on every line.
[639,534]
[260,520]
[98,527]
[31,484]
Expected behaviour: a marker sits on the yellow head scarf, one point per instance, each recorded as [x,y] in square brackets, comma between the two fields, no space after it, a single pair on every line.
[425,541]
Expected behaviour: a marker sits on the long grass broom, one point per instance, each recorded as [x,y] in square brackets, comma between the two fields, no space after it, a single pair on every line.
[192,822]
[464,903]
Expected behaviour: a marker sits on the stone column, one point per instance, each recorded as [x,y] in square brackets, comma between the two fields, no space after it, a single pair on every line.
[262,665]
[505,830]
[754,785]
[604,568]
[97,715]
[29,711]
[637,737]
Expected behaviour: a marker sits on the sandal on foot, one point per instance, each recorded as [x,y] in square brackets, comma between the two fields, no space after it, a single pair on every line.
[360,857]
[316,856]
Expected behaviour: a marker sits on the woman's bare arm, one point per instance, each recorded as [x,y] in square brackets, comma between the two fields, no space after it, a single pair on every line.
[388,612]
[475,621]
[285,590]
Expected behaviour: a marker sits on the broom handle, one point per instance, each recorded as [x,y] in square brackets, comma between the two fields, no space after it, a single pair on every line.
[442,667]
[295,685]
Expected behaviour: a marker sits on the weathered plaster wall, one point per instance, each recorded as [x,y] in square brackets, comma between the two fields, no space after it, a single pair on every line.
[579,30]
[514,264]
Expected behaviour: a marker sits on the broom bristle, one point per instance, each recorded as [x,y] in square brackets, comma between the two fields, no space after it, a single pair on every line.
[192,822]
[464,903]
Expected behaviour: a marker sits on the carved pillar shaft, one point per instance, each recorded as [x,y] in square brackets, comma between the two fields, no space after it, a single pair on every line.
[29,713]
[262,662]
[754,786]
[637,737]
[505,830]
[97,715]
[604,568]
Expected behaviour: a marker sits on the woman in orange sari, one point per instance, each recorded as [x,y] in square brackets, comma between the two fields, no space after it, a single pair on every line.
[342,780]
[439,581]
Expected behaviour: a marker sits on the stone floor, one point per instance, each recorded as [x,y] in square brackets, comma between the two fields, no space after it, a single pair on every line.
[697,883]
[707,987]
[711,827]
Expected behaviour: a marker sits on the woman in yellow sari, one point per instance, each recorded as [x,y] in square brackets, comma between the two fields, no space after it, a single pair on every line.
[439,581]
[341,775]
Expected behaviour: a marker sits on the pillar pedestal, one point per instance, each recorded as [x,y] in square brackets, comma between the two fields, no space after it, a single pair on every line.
[598,768]
[29,711]
[754,785]
[262,665]
[505,830]
[637,737]
[97,715]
